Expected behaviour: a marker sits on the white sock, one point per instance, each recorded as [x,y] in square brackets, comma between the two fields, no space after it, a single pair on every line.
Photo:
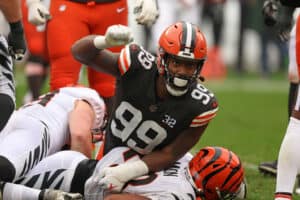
[288,159]
[13,191]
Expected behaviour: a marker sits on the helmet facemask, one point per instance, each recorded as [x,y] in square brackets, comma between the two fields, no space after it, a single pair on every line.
[178,85]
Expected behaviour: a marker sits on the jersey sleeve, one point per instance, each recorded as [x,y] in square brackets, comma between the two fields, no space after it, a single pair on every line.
[98,106]
[124,61]
[204,118]
[208,114]
[133,56]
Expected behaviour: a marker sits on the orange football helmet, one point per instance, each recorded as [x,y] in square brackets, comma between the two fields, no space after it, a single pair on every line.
[183,41]
[217,173]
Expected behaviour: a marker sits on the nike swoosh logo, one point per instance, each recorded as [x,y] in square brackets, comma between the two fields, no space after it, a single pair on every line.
[119,10]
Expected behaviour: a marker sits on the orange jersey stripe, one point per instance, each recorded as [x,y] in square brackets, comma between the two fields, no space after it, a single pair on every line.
[197,124]
[204,118]
[124,60]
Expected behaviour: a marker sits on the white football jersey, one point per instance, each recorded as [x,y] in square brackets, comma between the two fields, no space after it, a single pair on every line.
[169,184]
[41,128]
[54,107]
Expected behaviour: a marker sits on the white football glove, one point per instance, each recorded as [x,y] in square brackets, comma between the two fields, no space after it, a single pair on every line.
[146,12]
[116,35]
[38,13]
[92,190]
[114,178]
[50,194]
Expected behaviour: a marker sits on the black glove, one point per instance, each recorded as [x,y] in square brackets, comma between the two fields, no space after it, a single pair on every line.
[16,41]
[270,12]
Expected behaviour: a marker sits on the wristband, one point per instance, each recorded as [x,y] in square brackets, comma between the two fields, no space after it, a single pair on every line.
[100,42]
[133,170]
[16,27]
[28,2]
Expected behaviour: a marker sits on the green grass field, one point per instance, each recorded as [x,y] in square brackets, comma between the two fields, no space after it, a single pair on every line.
[251,121]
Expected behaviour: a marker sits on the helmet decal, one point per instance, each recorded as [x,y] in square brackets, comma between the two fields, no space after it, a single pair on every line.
[217,173]
[187,41]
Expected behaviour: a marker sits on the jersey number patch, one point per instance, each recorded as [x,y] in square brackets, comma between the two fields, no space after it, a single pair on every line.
[146,59]
[149,133]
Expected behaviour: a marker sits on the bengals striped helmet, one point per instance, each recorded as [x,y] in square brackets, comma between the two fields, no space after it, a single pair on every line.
[183,41]
[217,173]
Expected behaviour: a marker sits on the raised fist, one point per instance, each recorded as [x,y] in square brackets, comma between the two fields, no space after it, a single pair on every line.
[118,35]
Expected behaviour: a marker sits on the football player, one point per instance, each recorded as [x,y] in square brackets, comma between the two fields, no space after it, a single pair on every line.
[43,127]
[214,173]
[280,18]
[14,47]
[161,108]
[288,159]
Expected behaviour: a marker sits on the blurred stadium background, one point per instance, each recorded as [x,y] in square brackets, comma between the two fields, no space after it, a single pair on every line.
[253,108]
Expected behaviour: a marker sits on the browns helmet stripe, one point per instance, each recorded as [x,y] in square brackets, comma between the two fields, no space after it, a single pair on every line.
[188,40]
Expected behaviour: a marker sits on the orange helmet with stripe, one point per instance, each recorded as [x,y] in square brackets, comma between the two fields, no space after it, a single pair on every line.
[183,41]
[217,173]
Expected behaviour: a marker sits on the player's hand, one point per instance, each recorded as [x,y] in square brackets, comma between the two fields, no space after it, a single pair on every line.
[118,35]
[111,179]
[114,178]
[270,12]
[92,190]
[146,12]
[50,194]
[16,41]
[38,14]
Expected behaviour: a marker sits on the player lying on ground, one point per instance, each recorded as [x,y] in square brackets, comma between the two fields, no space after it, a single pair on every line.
[43,127]
[213,173]
[161,108]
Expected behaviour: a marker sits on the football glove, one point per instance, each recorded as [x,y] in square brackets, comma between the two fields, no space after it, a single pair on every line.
[270,12]
[16,41]
[146,12]
[116,35]
[38,14]
[49,194]
[114,178]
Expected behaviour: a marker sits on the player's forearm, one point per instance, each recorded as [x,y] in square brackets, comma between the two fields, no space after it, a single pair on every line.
[11,10]
[159,160]
[84,49]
